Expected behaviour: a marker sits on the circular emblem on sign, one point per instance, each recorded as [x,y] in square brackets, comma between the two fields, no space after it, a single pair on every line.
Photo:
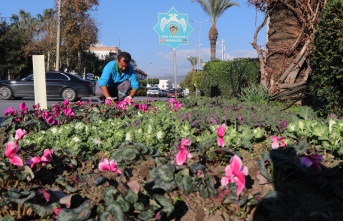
[173,29]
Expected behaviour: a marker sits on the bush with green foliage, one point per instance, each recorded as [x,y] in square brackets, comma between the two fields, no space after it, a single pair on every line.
[325,85]
[227,78]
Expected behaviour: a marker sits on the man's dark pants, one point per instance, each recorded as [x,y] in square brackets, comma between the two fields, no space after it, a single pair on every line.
[119,90]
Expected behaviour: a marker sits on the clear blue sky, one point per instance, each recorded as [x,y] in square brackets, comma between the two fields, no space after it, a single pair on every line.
[128,24]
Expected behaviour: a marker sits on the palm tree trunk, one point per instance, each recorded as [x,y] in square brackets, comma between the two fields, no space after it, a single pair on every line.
[213,36]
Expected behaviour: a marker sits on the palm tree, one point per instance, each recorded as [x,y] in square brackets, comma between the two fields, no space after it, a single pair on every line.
[214,9]
[193,60]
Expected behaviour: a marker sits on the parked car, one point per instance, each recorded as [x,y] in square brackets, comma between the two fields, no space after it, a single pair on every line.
[58,85]
[171,93]
[153,92]
[163,93]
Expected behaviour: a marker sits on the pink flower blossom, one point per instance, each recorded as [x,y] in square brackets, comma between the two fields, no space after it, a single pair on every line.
[47,155]
[277,142]
[33,161]
[8,111]
[23,107]
[11,149]
[220,132]
[108,165]
[183,153]
[312,160]
[235,172]
[108,101]
[45,194]
[65,102]
[19,134]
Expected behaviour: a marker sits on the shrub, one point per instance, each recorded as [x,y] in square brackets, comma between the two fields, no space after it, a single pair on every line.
[325,85]
[227,78]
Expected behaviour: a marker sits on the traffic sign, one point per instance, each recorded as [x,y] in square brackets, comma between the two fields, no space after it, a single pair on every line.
[173,28]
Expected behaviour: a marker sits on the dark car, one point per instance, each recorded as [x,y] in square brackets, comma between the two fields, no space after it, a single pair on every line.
[171,93]
[58,85]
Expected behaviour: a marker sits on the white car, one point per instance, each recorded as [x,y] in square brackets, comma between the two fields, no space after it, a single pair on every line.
[153,92]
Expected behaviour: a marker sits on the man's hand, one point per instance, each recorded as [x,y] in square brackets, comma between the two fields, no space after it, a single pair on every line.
[128,99]
[109,100]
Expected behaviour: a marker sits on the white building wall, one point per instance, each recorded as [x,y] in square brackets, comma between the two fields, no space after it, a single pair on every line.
[163,84]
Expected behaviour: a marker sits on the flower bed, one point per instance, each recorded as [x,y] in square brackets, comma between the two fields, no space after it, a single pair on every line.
[202,159]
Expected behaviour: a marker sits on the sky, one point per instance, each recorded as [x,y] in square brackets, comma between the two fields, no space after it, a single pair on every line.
[128,24]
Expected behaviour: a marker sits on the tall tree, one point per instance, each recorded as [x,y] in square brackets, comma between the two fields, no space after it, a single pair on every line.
[78,29]
[284,65]
[214,9]
[46,35]
[12,61]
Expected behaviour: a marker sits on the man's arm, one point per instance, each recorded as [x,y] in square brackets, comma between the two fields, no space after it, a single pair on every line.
[104,78]
[105,92]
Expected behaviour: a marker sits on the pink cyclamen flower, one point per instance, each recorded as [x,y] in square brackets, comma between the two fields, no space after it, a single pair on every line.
[277,142]
[23,107]
[65,102]
[220,132]
[312,160]
[47,155]
[33,161]
[235,172]
[19,134]
[105,164]
[8,111]
[11,149]
[183,153]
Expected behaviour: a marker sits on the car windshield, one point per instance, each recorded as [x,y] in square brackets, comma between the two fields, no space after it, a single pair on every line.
[155,88]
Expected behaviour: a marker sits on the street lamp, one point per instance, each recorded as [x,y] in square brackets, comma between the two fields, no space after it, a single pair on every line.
[200,22]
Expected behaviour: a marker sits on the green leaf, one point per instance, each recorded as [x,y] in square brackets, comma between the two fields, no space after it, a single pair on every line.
[125,205]
[146,215]
[116,210]
[130,153]
[187,184]
[20,198]
[168,207]
[166,172]
[131,197]
[42,211]
[203,191]
[108,194]
[139,206]
[77,214]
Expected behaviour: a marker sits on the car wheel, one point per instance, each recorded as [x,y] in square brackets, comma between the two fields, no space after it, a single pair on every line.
[69,94]
[5,93]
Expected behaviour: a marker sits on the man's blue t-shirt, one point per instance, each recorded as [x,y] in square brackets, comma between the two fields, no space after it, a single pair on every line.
[110,71]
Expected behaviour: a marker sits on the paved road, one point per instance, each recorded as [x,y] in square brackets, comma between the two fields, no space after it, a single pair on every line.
[5,104]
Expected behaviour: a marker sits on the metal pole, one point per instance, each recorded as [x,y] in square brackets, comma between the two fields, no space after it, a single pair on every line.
[198,65]
[57,68]
[175,83]
[199,46]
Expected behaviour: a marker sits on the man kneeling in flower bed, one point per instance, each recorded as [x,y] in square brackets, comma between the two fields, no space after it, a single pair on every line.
[117,78]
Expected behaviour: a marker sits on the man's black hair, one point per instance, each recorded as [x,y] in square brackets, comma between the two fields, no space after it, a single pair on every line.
[125,55]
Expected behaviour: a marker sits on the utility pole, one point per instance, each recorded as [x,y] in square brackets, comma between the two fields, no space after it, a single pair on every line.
[58,37]
[199,43]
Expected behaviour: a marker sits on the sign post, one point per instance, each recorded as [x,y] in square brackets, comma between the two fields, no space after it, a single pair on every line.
[173,30]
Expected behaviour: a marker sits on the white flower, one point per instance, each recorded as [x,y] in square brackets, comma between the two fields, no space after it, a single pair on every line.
[159,135]
[75,139]
[128,136]
[54,130]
